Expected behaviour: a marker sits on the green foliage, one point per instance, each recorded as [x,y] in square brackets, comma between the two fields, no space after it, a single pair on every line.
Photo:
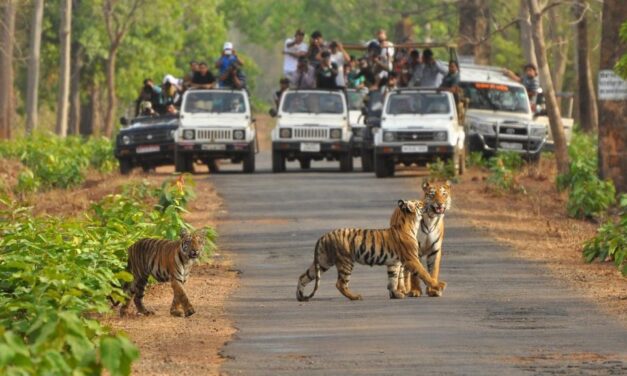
[588,196]
[475,159]
[503,168]
[441,171]
[611,240]
[54,162]
[55,274]
[621,65]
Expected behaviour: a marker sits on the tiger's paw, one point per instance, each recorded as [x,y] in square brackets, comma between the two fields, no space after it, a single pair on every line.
[436,292]
[176,312]
[190,311]
[395,294]
[415,293]
[355,297]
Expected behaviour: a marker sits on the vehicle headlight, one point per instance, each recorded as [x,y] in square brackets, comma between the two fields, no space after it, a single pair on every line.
[336,133]
[188,134]
[126,140]
[483,128]
[439,136]
[389,136]
[538,131]
[239,134]
[285,133]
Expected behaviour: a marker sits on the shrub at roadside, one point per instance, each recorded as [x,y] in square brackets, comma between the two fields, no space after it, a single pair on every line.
[441,171]
[588,196]
[503,169]
[611,240]
[56,275]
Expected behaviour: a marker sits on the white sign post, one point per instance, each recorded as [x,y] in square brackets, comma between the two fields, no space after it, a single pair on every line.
[611,86]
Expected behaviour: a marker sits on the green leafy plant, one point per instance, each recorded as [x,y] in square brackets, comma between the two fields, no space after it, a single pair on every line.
[440,170]
[476,159]
[610,240]
[588,196]
[503,168]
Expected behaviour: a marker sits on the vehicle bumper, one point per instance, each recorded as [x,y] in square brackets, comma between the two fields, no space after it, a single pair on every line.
[479,142]
[215,150]
[165,153]
[327,149]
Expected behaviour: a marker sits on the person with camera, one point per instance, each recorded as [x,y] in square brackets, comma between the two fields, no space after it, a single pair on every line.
[304,77]
[233,77]
[226,60]
[293,49]
[149,93]
[326,72]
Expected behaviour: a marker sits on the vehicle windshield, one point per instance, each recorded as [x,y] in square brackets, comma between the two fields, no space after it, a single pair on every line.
[355,100]
[215,102]
[496,97]
[317,103]
[418,103]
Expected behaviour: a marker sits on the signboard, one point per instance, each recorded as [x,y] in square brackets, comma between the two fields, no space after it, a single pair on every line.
[611,86]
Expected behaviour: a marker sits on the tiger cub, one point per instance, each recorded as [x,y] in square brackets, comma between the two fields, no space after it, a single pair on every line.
[164,260]
[429,236]
[392,247]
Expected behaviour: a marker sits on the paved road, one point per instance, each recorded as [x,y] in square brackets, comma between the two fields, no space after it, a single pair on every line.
[499,315]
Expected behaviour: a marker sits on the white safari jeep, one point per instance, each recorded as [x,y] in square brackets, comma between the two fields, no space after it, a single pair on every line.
[418,126]
[312,125]
[215,124]
[498,116]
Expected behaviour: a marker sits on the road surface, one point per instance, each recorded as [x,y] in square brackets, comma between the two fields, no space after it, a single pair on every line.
[500,315]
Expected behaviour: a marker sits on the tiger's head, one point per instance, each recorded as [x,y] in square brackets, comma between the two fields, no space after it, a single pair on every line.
[408,213]
[437,197]
[192,244]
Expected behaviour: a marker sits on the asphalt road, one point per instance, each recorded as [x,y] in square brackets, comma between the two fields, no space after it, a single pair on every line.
[499,315]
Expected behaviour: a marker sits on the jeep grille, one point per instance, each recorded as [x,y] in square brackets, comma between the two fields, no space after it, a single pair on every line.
[311,133]
[214,134]
[414,136]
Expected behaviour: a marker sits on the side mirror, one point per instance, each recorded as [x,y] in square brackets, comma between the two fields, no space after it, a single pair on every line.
[272,112]
[124,121]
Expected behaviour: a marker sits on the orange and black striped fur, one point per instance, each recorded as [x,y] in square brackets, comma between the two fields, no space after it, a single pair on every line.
[391,247]
[166,261]
[430,236]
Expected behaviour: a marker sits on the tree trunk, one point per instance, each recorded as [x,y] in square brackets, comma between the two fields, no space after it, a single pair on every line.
[553,110]
[112,100]
[404,29]
[560,49]
[93,122]
[474,27]
[587,99]
[32,87]
[65,31]
[526,40]
[75,89]
[613,111]
[6,68]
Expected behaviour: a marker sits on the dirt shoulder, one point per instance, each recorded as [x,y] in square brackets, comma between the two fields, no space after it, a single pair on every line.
[537,227]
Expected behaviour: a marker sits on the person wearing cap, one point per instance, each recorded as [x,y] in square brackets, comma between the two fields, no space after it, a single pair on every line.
[228,57]
[430,72]
[326,72]
[304,77]
[203,78]
[284,84]
[529,80]
[339,57]
[293,49]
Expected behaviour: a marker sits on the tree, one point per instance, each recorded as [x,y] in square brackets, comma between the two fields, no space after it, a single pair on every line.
[32,88]
[552,106]
[588,112]
[474,27]
[613,108]
[526,40]
[65,34]
[7,31]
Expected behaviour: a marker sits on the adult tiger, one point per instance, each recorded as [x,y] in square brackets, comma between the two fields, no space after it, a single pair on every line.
[165,260]
[429,236]
[392,247]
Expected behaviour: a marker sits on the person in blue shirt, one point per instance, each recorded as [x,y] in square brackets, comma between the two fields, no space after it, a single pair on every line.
[228,58]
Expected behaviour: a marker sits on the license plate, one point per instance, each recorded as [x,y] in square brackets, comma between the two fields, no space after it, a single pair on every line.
[213,147]
[311,147]
[147,149]
[414,148]
[511,145]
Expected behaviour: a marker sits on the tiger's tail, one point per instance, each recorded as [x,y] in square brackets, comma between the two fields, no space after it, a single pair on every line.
[300,296]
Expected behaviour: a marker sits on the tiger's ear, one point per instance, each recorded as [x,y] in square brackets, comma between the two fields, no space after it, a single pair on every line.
[201,233]
[447,184]
[403,205]
[426,185]
[183,233]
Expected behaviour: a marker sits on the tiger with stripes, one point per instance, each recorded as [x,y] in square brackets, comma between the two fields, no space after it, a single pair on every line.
[429,236]
[392,247]
[166,261]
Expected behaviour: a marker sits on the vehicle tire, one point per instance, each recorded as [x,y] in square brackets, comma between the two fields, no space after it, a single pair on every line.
[147,168]
[383,167]
[126,166]
[278,162]
[305,163]
[183,163]
[367,160]
[212,164]
[248,164]
[346,162]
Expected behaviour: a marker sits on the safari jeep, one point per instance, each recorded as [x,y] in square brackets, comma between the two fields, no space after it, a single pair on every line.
[215,124]
[418,126]
[357,122]
[312,125]
[147,142]
[498,116]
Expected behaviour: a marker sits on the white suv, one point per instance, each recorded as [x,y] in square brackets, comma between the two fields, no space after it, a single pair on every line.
[215,124]
[312,125]
[418,126]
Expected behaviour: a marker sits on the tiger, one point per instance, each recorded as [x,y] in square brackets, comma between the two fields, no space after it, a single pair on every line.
[164,260]
[392,247]
[429,236]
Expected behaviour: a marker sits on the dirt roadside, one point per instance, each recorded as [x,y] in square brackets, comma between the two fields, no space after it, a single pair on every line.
[535,224]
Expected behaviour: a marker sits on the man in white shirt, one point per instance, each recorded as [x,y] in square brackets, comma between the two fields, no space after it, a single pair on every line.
[340,57]
[293,49]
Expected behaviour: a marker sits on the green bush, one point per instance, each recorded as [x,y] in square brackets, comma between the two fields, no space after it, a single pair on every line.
[475,159]
[55,274]
[440,170]
[503,168]
[588,196]
[611,240]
